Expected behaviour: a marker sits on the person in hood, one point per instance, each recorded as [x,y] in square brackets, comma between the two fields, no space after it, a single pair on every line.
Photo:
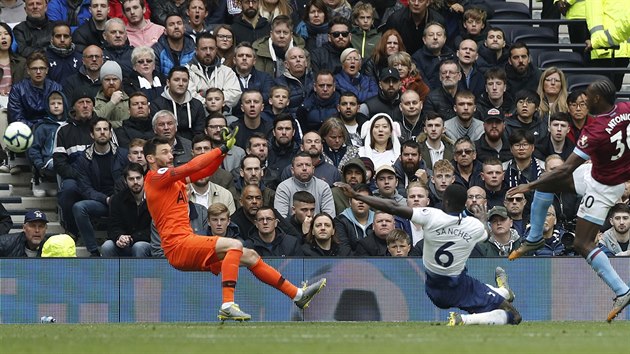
[381,140]
[353,173]
[189,113]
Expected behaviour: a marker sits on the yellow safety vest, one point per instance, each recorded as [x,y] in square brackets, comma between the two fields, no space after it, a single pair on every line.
[601,17]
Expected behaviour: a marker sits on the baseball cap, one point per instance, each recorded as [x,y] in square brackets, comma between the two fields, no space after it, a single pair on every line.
[388,73]
[498,210]
[383,168]
[35,215]
[494,114]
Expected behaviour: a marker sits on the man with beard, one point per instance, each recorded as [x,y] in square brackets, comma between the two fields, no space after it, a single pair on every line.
[249,26]
[410,107]
[141,31]
[87,79]
[352,173]
[324,169]
[434,144]
[521,73]
[467,167]
[70,141]
[410,21]
[99,168]
[116,47]
[617,238]
[34,33]
[388,99]
[251,174]
[91,32]
[138,125]
[432,53]
[328,55]
[215,122]
[112,102]
[410,166]
[463,123]
[26,243]
[493,142]
[174,47]
[495,93]
[129,222]
[442,100]
[348,111]
[62,58]
[245,216]
[282,149]
[304,180]
[296,77]
[206,71]
[475,199]
[320,104]
[203,191]
[189,112]
[472,79]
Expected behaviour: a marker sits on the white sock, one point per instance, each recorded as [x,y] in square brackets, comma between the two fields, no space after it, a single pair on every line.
[298,296]
[501,291]
[495,317]
[226,305]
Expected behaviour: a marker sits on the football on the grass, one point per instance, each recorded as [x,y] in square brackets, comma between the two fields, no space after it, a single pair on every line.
[18,137]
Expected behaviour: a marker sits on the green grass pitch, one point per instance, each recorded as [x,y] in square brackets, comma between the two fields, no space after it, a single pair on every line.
[310,337]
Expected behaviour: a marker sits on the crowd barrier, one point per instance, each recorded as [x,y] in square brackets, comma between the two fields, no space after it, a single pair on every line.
[367,289]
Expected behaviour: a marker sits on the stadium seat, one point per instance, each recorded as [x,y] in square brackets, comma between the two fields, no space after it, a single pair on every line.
[560,60]
[509,10]
[581,81]
[534,35]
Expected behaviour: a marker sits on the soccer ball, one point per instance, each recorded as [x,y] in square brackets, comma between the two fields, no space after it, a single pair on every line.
[18,137]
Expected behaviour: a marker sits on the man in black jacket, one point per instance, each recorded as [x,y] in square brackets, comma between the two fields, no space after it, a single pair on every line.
[129,219]
[410,22]
[268,240]
[87,79]
[91,32]
[328,55]
[27,242]
[388,99]
[374,244]
[249,26]
[34,33]
[138,125]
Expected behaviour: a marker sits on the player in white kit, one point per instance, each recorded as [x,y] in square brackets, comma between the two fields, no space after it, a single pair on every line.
[449,237]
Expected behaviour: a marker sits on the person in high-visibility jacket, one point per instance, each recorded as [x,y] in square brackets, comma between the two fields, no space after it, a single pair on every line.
[574,10]
[602,15]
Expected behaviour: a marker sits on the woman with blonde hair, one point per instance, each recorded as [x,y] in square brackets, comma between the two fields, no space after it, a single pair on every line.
[410,78]
[336,142]
[552,90]
[269,9]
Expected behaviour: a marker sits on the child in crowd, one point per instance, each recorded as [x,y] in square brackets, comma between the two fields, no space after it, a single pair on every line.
[278,103]
[398,243]
[364,36]
[215,102]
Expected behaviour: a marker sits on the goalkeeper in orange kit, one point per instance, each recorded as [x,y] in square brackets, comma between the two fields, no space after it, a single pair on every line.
[165,188]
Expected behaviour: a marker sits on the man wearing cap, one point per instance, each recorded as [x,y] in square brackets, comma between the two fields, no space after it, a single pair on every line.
[328,56]
[502,239]
[386,182]
[112,102]
[304,180]
[27,242]
[88,77]
[71,140]
[388,98]
[350,79]
[493,142]
[526,116]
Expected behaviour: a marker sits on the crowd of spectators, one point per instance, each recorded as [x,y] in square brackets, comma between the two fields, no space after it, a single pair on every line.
[400,99]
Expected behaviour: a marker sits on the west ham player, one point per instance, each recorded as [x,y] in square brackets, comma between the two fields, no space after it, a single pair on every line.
[165,188]
[449,237]
[606,142]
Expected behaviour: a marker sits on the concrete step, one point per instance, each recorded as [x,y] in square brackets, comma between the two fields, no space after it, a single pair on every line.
[16,203]
[22,179]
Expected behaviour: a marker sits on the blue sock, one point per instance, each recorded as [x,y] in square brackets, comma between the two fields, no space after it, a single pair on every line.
[601,265]
[540,205]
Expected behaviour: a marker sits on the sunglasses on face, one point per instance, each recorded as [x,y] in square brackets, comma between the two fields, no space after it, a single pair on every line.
[336,34]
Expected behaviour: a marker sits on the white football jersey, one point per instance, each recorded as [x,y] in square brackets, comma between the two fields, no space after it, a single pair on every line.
[448,240]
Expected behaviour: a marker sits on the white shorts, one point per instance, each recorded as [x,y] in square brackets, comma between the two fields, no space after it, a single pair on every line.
[597,198]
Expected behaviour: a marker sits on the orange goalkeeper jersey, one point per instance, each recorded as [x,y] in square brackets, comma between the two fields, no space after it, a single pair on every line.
[166,197]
